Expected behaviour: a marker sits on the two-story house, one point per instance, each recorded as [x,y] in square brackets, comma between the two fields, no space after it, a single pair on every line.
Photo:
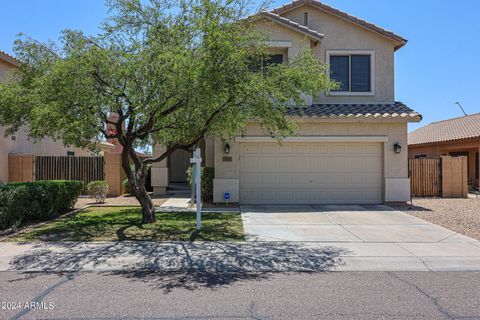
[351,145]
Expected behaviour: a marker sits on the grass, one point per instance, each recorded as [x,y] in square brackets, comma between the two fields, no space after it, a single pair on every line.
[123,223]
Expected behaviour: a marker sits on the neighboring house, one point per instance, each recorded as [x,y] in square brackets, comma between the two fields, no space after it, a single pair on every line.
[351,146]
[20,142]
[453,137]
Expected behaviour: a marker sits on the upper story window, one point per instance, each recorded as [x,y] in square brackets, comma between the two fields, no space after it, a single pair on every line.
[272,60]
[264,63]
[353,70]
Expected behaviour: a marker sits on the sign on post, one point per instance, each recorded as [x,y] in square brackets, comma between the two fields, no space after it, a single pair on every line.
[226,197]
[197,167]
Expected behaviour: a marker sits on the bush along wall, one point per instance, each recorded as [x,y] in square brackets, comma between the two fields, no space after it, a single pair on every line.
[208,174]
[36,201]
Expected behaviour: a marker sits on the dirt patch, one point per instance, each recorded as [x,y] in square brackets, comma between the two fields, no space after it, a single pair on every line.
[118,201]
[460,215]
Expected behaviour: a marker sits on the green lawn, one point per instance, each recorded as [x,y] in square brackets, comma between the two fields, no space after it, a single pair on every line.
[123,223]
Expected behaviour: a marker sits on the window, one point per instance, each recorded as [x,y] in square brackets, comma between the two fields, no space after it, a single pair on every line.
[305,19]
[420,156]
[71,153]
[263,63]
[353,71]
[477,165]
[272,60]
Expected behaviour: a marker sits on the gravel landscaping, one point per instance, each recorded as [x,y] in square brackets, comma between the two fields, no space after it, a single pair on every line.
[460,215]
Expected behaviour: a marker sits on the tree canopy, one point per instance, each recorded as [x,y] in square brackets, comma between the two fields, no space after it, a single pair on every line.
[172,72]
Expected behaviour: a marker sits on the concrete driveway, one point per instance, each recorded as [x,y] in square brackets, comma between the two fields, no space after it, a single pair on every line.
[370,237]
[340,223]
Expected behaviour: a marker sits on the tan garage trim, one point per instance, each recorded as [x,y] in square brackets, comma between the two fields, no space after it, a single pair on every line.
[257,139]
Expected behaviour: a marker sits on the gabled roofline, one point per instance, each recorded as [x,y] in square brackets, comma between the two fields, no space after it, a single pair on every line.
[314,35]
[9,59]
[400,41]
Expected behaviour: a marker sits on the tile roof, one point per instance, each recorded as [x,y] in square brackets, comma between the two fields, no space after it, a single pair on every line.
[355,110]
[453,129]
[294,25]
[8,58]
[365,24]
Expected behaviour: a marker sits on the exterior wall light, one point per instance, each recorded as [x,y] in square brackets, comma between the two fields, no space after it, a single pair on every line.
[397,147]
[226,148]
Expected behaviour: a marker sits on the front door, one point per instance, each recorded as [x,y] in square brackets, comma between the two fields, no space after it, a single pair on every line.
[179,164]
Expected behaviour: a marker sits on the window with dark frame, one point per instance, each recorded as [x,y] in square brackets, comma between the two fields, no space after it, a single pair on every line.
[420,156]
[477,165]
[70,153]
[352,71]
[264,63]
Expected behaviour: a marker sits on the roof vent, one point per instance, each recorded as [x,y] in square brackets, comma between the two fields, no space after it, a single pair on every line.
[305,19]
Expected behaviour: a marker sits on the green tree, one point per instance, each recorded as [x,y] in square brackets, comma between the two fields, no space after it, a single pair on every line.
[171,71]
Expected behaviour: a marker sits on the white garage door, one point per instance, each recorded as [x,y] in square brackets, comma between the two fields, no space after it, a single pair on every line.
[311,173]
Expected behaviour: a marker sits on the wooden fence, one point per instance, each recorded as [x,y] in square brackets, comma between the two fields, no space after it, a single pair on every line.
[438,177]
[425,177]
[454,177]
[84,169]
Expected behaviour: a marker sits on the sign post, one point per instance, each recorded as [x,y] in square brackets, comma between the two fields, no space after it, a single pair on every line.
[226,197]
[197,162]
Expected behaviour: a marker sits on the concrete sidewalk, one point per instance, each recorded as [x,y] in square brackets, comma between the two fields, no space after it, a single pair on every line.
[239,257]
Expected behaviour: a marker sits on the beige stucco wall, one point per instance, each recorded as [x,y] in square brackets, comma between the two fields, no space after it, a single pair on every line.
[44,147]
[342,35]
[4,69]
[227,174]
[5,143]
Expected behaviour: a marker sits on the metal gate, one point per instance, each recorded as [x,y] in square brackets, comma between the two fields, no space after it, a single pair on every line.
[84,169]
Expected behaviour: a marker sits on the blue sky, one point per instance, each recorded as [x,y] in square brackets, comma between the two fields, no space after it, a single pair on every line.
[439,65]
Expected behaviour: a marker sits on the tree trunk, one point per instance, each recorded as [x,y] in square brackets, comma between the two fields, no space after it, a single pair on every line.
[136,181]
[148,210]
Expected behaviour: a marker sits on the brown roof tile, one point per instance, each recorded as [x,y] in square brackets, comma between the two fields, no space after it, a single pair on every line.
[448,130]
[365,24]
[8,58]
[353,110]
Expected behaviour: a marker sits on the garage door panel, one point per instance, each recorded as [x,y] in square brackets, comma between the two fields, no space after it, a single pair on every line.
[268,148]
[336,149]
[285,148]
[336,164]
[313,173]
[248,148]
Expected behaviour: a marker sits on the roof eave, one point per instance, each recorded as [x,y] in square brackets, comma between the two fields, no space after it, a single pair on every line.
[398,40]
[9,59]
[315,38]
[424,144]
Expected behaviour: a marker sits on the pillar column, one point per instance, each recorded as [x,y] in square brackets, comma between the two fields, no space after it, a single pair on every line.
[159,172]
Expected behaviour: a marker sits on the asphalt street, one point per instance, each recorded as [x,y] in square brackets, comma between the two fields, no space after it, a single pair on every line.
[232,295]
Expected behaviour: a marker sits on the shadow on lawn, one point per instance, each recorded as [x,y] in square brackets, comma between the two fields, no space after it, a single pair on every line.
[190,266]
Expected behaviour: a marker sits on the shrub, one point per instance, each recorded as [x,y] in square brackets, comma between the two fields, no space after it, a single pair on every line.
[126,187]
[208,174]
[39,200]
[98,190]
